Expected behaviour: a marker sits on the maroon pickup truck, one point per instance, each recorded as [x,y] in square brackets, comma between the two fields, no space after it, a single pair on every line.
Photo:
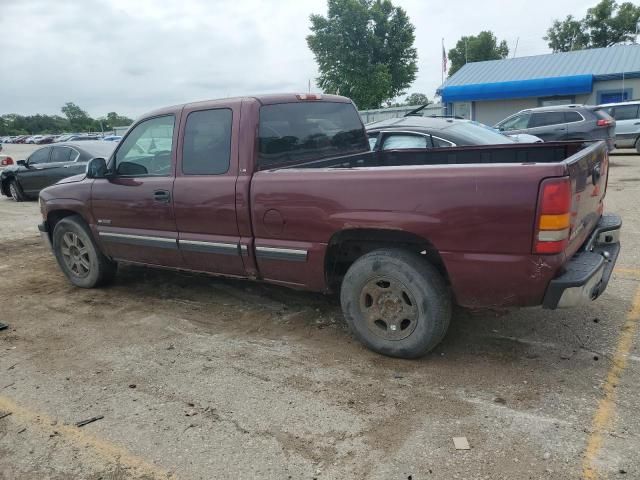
[284,189]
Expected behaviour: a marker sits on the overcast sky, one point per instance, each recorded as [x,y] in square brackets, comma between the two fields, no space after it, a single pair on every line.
[132,56]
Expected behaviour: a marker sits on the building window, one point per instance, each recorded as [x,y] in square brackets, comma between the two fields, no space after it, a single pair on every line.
[614,96]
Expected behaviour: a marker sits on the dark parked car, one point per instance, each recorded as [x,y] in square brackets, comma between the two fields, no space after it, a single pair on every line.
[566,122]
[285,189]
[47,165]
[431,132]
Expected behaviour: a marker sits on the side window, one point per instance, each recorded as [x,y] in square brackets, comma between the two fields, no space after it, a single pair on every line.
[62,154]
[39,156]
[515,123]
[373,139]
[147,149]
[207,142]
[403,140]
[441,143]
[543,119]
[571,117]
[626,112]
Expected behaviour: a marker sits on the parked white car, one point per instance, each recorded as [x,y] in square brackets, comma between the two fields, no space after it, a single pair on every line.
[627,115]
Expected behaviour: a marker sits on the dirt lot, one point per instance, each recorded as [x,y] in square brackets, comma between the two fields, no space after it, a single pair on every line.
[201,378]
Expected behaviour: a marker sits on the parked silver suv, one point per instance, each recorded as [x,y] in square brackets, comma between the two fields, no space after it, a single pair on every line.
[565,122]
[627,115]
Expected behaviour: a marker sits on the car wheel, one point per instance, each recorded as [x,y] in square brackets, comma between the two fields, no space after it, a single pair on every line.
[396,303]
[78,255]
[16,192]
[638,145]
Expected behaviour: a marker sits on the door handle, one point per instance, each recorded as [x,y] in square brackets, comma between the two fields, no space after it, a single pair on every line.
[637,123]
[161,196]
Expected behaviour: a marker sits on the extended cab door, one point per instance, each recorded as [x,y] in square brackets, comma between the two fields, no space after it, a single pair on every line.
[133,207]
[204,191]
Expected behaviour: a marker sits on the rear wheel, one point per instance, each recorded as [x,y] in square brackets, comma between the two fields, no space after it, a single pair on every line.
[16,192]
[638,145]
[78,255]
[396,303]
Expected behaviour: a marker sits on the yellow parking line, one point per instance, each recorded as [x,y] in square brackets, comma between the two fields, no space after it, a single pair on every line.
[110,452]
[606,406]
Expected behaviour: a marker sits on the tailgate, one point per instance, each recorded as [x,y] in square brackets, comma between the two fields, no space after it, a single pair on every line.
[588,170]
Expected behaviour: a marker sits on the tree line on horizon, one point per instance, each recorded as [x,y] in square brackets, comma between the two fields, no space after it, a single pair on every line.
[74,119]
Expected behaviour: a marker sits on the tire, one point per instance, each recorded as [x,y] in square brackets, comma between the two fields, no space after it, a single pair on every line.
[396,303]
[638,145]
[16,192]
[78,255]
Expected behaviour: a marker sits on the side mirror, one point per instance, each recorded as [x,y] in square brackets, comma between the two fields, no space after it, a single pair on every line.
[22,163]
[97,168]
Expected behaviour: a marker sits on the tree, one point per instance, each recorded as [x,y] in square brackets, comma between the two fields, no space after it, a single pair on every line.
[364,50]
[605,25]
[416,99]
[78,118]
[481,47]
[567,35]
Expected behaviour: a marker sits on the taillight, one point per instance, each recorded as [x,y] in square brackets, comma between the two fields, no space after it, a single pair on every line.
[604,122]
[6,161]
[553,222]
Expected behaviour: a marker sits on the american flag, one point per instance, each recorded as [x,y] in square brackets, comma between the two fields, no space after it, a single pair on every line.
[444,58]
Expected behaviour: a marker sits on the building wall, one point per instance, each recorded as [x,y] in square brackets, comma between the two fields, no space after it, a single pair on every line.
[491,112]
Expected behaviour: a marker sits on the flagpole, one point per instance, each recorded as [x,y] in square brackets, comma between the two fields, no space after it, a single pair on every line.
[442,66]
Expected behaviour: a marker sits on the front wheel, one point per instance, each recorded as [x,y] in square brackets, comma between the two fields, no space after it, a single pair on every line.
[16,192]
[396,303]
[78,255]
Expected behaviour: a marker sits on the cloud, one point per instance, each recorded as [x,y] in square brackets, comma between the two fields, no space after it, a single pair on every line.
[132,57]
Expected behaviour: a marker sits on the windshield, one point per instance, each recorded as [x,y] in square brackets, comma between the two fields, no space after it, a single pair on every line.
[474,133]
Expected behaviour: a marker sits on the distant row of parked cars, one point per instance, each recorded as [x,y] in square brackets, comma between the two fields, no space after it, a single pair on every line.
[66,137]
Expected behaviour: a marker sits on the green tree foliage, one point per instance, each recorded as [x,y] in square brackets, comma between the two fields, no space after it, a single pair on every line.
[605,25]
[364,50]
[416,99]
[75,120]
[478,48]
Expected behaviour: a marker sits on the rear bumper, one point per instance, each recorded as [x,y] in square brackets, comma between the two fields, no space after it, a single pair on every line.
[587,273]
[44,234]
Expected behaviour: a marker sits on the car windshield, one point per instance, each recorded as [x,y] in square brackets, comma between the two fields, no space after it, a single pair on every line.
[474,133]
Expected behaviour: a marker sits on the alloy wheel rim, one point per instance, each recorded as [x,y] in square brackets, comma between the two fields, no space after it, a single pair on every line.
[389,308]
[75,254]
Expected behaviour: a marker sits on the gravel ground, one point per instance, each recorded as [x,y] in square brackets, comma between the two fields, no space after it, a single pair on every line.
[203,378]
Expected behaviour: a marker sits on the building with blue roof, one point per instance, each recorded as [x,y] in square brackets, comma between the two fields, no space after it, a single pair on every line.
[490,91]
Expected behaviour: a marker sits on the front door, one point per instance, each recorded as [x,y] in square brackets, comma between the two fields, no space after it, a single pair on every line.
[204,191]
[33,178]
[133,207]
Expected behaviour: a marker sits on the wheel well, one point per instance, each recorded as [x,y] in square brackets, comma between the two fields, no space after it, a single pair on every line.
[54,217]
[5,186]
[346,246]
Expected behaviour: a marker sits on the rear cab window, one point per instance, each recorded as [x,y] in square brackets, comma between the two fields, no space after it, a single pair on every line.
[299,132]
[206,148]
